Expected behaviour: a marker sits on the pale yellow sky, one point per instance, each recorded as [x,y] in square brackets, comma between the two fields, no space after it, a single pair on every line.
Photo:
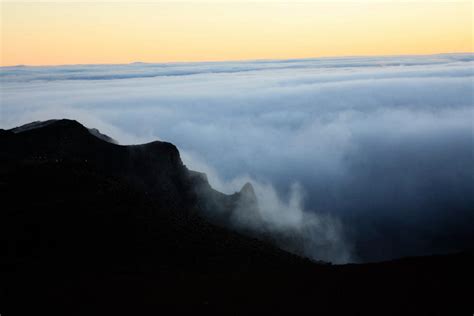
[43,33]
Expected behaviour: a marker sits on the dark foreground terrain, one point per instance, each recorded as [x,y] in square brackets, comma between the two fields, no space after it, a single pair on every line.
[90,227]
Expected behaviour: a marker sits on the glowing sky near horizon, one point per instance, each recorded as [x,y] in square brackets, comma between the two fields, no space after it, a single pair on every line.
[67,32]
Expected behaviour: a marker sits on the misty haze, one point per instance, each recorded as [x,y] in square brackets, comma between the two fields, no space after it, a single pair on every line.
[361,159]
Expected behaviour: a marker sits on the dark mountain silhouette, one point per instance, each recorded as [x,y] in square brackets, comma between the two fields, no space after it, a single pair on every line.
[91,227]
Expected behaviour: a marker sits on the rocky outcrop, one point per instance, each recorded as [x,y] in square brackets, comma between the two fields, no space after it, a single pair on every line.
[155,168]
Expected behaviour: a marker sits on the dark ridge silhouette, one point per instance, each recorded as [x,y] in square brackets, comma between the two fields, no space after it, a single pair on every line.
[91,227]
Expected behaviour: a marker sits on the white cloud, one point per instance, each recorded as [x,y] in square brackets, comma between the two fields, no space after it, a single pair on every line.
[383,143]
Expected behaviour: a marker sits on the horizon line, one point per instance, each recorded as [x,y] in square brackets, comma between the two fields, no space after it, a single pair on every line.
[235,60]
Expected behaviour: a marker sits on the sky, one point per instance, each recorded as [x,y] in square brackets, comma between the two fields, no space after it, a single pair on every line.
[106,32]
[363,158]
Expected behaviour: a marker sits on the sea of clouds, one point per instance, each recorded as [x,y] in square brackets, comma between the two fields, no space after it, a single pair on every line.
[379,151]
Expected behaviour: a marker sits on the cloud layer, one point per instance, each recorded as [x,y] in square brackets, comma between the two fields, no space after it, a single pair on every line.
[384,144]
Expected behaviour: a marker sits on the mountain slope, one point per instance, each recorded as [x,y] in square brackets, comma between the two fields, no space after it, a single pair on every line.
[91,227]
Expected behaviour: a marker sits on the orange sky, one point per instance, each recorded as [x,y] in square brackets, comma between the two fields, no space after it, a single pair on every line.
[39,33]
